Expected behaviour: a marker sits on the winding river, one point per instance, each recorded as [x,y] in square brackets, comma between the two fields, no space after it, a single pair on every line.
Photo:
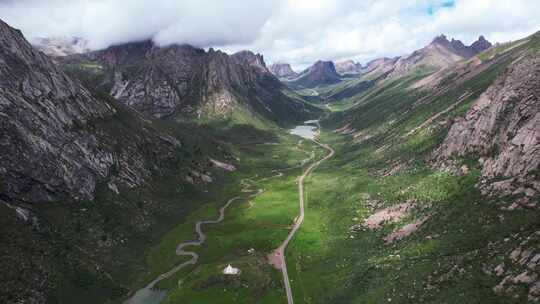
[150,295]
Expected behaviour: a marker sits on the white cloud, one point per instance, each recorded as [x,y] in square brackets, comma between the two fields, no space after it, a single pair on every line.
[295,31]
[105,22]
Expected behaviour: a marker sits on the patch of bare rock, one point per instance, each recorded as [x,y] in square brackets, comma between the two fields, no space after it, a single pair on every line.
[392,215]
[405,231]
[503,129]
[520,268]
[222,165]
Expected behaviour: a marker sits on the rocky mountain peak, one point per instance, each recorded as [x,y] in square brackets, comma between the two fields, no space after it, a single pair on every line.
[441,39]
[283,70]
[323,65]
[164,81]
[457,47]
[251,59]
[322,72]
[481,44]
[440,53]
[348,67]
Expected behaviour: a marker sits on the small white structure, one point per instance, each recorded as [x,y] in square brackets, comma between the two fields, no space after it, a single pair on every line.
[229,270]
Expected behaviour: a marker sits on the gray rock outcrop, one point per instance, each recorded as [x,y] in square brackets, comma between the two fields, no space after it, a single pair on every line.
[57,139]
[503,129]
[184,80]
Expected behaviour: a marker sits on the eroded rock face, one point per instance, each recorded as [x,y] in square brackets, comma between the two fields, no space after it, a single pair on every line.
[45,153]
[56,139]
[503,128]
[181,79]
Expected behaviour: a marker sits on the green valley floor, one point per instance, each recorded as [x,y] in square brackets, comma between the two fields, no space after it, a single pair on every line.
[335,257]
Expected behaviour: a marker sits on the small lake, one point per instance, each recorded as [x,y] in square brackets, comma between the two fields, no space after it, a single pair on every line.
[308,130]
[147,296]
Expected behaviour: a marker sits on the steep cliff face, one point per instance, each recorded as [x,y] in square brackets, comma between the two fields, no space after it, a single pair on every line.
[183,80]
[503,128]
[81,178]
[58,140]
[44,152]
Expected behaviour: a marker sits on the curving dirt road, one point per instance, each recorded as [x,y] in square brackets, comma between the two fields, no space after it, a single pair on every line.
[278,256]
[146,295]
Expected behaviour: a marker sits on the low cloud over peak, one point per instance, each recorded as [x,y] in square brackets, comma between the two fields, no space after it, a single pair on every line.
[295,31]
[105,22]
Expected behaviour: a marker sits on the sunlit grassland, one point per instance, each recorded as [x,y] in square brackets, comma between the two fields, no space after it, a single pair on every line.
[259,223]
[328,263]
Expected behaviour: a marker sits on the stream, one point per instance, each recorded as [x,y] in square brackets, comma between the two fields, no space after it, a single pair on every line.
[151,295]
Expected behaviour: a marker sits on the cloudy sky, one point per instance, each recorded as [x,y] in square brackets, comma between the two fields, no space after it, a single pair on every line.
[295,31]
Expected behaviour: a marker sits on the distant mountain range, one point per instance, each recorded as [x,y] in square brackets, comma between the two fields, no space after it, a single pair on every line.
[108,158]
[440,53]
[348,67]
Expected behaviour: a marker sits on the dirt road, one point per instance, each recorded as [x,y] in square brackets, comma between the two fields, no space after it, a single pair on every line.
[279,254]
[147,295]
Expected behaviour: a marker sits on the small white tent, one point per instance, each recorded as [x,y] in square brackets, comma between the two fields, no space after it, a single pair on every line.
[231,270]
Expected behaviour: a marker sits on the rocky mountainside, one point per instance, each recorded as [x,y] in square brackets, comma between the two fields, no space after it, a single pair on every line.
[45,153]
[503,129]
[187,81]
[75,171]
[348,67]
[322,72]
[283,71]
[440,53]
[464,144]
[62,46]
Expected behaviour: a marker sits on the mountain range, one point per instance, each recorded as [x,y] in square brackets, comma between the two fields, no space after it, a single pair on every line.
[187,81]
[418,180]
[440,53]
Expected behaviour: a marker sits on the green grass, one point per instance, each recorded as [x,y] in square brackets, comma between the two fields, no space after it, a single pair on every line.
[442,262]
[328,266]
[261,225]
